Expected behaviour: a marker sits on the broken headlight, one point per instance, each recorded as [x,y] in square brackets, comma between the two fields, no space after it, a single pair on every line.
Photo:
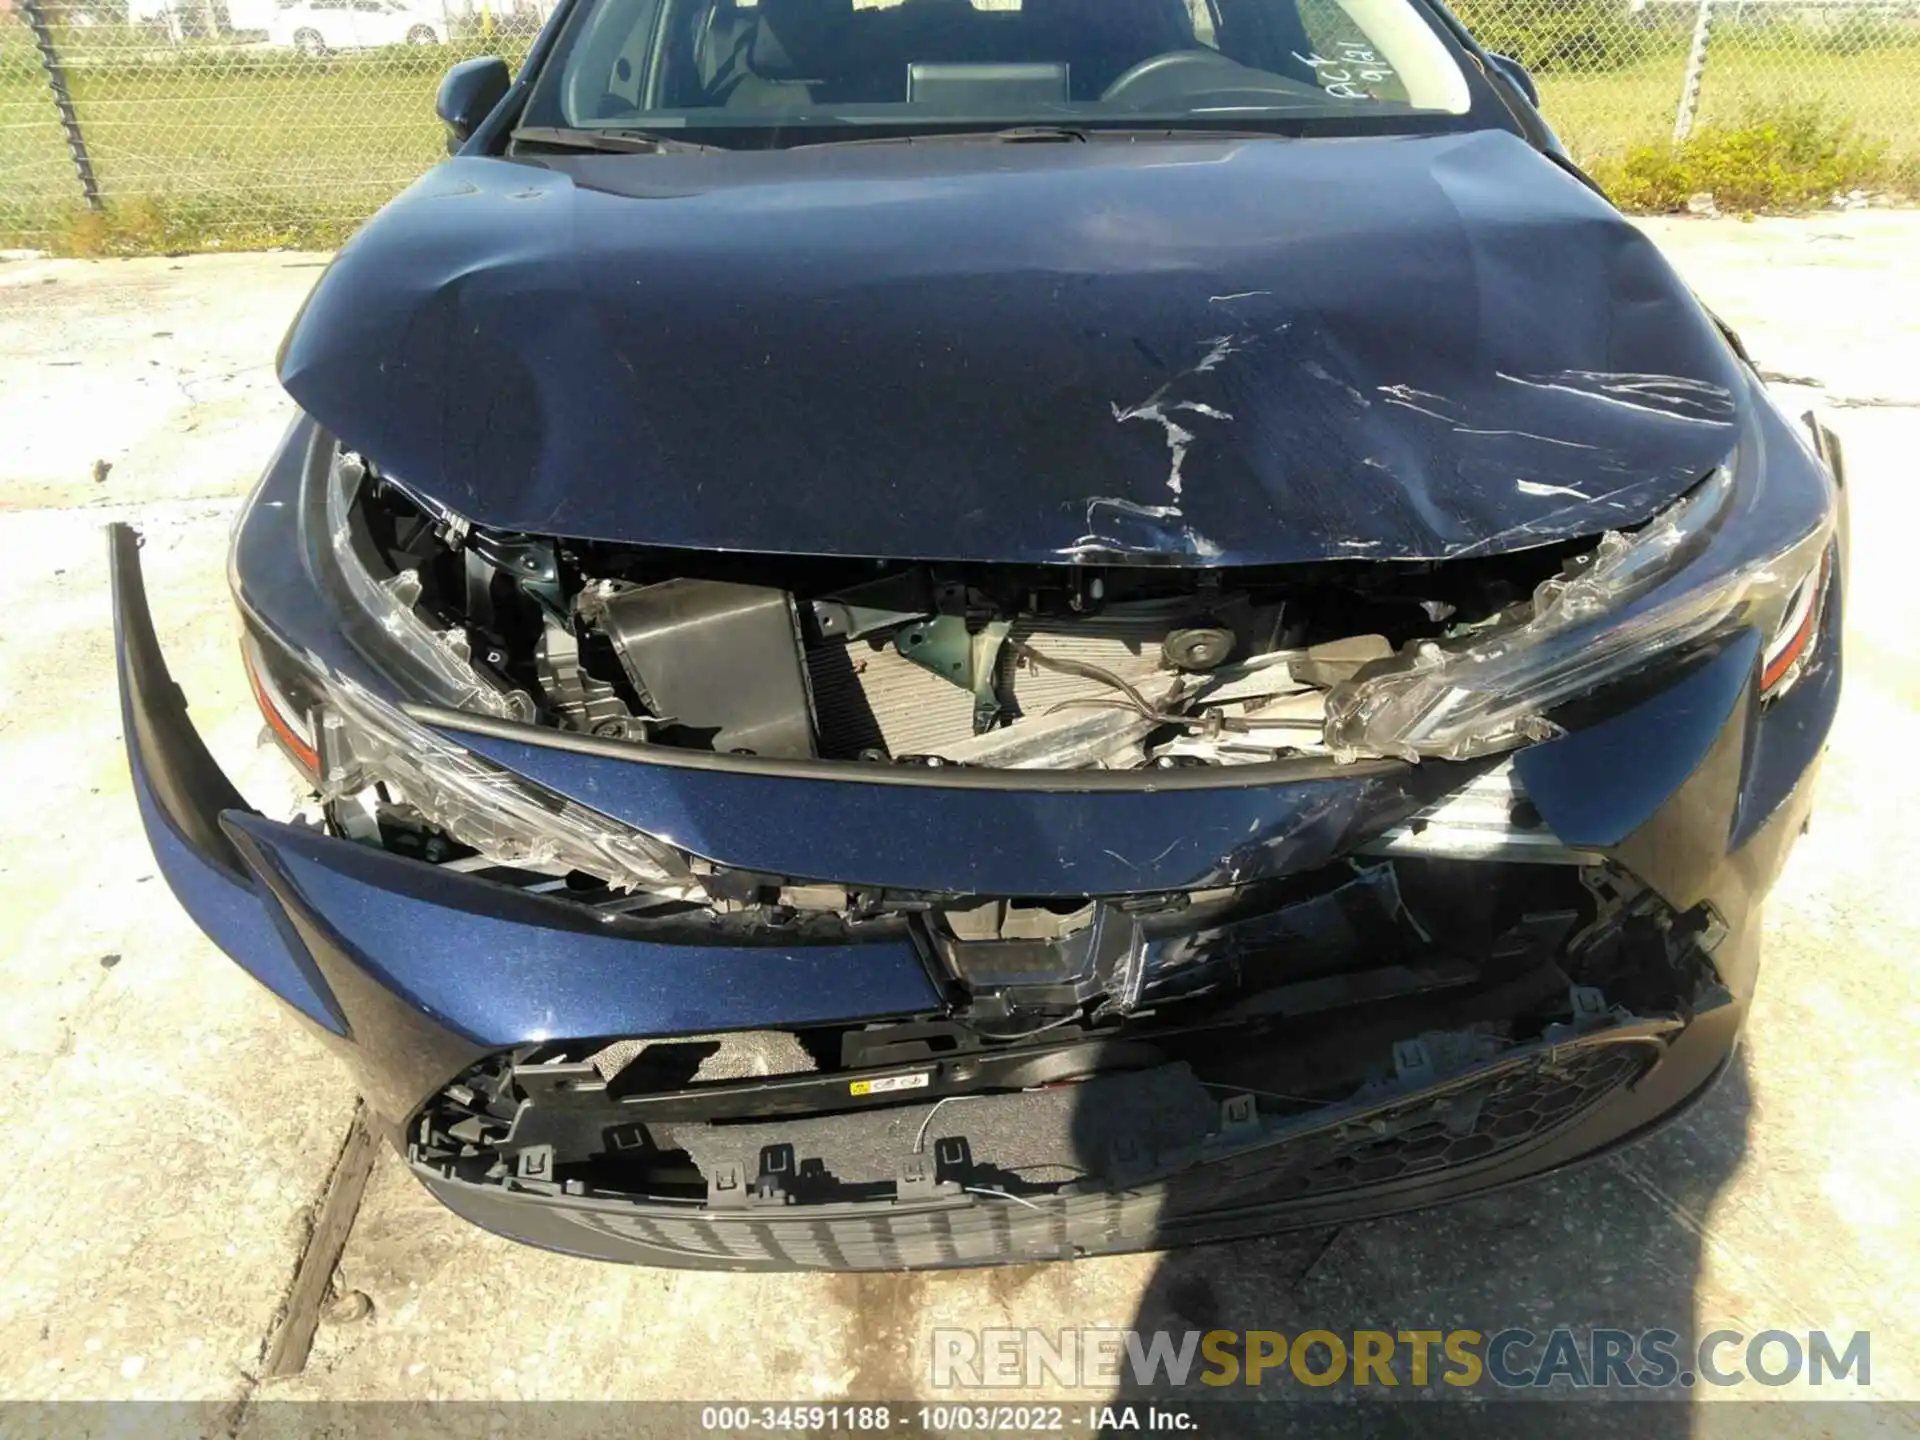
[357,744]
[441,654]
[1740,549]
[363,741]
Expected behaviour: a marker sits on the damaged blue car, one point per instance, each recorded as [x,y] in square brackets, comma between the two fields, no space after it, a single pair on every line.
[939,632]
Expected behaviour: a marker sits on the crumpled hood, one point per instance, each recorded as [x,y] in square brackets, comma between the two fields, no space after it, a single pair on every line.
[1193,352]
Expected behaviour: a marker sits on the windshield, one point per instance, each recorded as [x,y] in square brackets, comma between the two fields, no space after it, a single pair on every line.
[898,65]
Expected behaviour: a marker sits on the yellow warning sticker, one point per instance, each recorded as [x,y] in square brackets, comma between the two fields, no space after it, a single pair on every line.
[891,1082]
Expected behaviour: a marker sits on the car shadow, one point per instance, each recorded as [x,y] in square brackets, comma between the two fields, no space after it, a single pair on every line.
[1615,1243]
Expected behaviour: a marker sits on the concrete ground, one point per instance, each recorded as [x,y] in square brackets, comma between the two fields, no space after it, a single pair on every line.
[172,1129]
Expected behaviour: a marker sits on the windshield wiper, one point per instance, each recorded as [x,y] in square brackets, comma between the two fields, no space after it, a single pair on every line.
[617,142]
[1011,134]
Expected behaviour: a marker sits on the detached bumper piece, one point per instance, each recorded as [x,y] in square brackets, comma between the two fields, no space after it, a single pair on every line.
[974,1080]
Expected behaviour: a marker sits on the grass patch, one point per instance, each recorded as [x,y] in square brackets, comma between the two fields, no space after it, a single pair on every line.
[222,149]
[161,225]
[1788,158]
[1603,114]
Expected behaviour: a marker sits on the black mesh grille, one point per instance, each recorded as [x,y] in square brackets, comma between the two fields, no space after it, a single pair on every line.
[1488,1112]
[1463,1124]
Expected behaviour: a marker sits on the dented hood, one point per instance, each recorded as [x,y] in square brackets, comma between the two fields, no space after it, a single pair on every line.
[1214,352]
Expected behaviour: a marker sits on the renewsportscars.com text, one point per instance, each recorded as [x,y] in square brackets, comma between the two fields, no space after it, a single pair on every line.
[1513,1358]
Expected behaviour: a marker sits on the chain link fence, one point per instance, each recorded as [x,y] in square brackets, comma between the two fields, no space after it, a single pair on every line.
[224,122]
[192,124]
[1617,74]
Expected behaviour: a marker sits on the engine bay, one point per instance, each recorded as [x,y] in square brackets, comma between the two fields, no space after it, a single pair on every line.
[904,662]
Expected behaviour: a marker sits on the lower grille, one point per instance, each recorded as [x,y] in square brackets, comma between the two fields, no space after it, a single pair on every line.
[1438,1130]
[1484,1113]
[1520,1107]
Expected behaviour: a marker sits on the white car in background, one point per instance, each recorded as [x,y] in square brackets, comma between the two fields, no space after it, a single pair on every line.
[319,27]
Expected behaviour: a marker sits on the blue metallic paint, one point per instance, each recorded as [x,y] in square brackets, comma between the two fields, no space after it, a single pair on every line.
[428,970]
[179,804]
[988,842]
[228,909]
[968,351]
[1602,782]
[274,563]
[499,967]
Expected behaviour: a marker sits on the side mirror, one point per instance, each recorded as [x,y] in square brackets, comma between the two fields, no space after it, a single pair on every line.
[468,94]
[1517,73]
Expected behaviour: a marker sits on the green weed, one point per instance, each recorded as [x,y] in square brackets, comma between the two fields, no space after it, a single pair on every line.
[1786,158]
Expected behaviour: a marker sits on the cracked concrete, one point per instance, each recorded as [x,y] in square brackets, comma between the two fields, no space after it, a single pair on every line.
[172,1127]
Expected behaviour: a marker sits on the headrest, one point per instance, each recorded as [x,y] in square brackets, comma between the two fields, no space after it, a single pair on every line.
[799,39]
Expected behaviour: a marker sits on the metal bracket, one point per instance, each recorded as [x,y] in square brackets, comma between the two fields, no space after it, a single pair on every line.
[840,621]
[883,604]
[969,659]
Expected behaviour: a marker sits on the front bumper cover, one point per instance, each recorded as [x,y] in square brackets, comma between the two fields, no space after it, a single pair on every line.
[417,975]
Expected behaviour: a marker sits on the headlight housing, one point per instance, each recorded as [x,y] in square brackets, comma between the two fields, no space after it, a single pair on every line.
[1743,548]
[364,741]
[444,655]
[350,740]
